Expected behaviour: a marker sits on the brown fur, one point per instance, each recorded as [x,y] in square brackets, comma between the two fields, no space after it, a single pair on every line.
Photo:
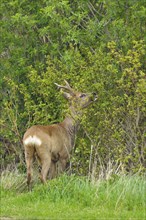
[54,142]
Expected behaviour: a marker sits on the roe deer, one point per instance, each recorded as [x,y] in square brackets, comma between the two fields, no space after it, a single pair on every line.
[54,142]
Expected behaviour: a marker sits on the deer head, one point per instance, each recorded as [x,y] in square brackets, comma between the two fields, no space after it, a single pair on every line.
[77,100]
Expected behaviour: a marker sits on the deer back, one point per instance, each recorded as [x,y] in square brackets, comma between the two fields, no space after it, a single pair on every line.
[52,139]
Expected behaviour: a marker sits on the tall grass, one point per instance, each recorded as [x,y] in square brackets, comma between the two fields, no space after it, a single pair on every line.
[118,196]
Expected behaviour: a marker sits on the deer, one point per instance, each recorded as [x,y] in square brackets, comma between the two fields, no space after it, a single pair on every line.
[53,143]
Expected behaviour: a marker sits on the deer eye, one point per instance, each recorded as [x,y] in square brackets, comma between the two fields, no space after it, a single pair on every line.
[82,95]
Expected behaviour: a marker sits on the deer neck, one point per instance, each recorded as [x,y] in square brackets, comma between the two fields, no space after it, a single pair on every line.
[71,125]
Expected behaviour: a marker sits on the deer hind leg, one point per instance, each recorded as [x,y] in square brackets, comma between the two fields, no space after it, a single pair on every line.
[52,171]
[62,164]
[46,163]
[29,156]
[53,168]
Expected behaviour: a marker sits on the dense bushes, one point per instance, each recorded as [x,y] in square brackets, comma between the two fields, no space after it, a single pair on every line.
[96,48]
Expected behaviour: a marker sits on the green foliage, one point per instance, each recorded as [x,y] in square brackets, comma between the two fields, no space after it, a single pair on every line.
[96,46]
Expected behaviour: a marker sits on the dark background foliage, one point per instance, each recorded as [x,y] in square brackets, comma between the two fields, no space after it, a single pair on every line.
[98,46]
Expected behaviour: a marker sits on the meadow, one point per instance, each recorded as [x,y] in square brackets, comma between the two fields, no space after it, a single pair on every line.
[73,197]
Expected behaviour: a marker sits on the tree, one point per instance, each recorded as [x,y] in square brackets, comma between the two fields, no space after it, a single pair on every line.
[94,45]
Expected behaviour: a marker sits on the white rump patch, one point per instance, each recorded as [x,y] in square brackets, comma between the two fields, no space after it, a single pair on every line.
[32,140]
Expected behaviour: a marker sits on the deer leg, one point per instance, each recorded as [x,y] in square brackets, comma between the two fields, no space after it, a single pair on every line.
[62,166]
[46,163]
[52,172]
[29,155]
[54,160]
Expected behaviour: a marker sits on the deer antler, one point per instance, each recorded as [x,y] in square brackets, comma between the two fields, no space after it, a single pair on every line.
[67,87]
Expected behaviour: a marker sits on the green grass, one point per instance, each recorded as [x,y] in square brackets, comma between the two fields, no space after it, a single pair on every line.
[71,197]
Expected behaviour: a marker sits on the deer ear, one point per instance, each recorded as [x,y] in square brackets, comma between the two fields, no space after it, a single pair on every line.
[67,95]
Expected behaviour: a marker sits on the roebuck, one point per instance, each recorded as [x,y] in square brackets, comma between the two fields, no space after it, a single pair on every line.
[54,142]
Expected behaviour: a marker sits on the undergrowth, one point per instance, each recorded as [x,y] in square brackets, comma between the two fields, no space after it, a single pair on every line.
[119,196]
